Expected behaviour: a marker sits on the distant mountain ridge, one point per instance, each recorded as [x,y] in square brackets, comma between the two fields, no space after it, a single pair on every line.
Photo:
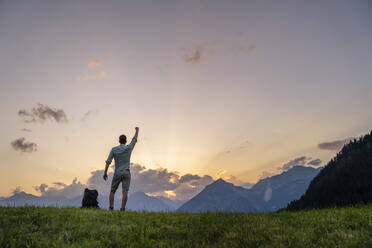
[277,191]
[21,199]
[174,204]
[268,194]
[137,201]
[345,180]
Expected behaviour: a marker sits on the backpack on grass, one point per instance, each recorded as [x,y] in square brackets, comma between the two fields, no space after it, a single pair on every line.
[90,198]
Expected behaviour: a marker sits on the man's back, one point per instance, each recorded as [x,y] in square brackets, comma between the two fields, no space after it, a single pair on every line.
[121,155]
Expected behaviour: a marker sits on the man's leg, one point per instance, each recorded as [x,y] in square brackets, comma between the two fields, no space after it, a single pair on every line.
[125,187]
[114,186]
[112,197]
[124,200]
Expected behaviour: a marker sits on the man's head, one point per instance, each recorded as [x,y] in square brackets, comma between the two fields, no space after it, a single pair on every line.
[122,139]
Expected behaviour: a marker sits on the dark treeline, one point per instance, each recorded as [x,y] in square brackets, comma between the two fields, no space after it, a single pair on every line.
[345,180]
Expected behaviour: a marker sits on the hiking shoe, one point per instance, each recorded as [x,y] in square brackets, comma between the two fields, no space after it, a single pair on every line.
[122,209]
[111,208]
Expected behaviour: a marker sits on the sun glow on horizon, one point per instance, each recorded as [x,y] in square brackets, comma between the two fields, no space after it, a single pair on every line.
[170,193]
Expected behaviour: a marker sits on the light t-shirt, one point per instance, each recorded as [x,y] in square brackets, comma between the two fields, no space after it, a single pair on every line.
[121,154]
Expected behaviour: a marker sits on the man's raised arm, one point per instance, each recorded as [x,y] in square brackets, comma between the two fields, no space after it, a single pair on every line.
[134,140]
[136,134]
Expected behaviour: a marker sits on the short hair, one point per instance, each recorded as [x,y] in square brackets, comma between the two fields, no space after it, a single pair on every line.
[122,139]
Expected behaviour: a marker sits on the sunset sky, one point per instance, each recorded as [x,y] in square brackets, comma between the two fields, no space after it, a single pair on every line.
[232,89]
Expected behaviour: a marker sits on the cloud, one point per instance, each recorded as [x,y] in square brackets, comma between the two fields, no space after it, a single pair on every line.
[266,174]
[244,49]
[99,75]
[156,182]
[153,180]
[220,173]
[41,188]
[194,58]
[23,146]
[42,113]
[61,190]
[234,180]
[88,115]
[95,64]
[300,161]
[334,145]
[188,177]
[60,184]
[17,190]
[197,54]
[315,162]
[95,71]
[26,130]
[189,189]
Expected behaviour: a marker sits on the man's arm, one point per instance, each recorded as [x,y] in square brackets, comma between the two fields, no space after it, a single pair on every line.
[136,134]
[108,162]
[134,139]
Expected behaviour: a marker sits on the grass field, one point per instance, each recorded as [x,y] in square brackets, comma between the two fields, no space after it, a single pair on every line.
[69,227]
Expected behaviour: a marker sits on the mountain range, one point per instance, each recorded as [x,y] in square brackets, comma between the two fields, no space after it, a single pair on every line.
[268,194]
[137,201]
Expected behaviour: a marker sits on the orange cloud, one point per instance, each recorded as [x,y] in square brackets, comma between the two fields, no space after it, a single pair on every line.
[100,75]
[170,193]
[95,64]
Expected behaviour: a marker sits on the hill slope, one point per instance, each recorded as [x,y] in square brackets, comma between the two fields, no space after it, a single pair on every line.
[277,191]
[346,180]
[220,196]
[70,227]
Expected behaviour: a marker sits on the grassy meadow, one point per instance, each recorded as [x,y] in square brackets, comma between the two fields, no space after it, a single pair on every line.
[71,227]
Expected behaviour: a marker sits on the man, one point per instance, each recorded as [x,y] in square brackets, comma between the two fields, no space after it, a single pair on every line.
[121,154]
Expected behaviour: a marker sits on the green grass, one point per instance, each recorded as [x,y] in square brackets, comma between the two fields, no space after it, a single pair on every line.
[69,227]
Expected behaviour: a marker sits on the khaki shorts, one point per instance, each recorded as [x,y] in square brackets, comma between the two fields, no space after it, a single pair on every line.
[122,177]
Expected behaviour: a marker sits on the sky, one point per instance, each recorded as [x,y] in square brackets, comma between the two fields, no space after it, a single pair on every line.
[233,89]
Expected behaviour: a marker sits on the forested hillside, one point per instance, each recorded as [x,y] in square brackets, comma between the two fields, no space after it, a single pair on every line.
[345,180]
